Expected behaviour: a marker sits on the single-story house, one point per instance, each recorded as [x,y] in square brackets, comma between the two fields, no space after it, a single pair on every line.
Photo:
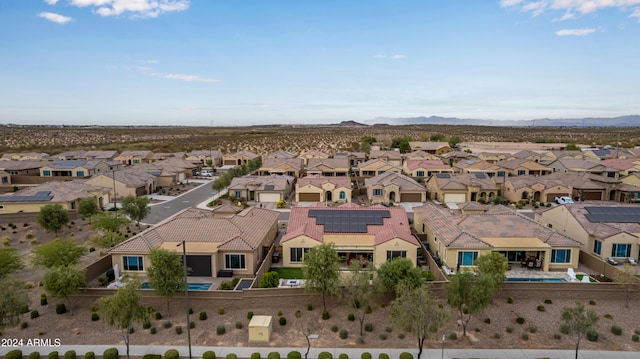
[130,182]
[377,166]
[70,169]
[523,167]
[204,157]
[421,155]
[355,158]
[375,233]
[24,156]
[477,165]
[261,188]
[462,187]
[437,148]
[316,188]
[65,193]
[334,167]
[393,157]
[129,158]
[292,167]
[425,168]
[239,158]
[391,187]
[306,156]
[541,189]
[280,154]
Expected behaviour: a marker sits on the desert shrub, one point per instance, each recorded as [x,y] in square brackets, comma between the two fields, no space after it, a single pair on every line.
[298,314]
[344,334]
[190,310]
[43,299]
[540,308]
[616,330]
[309,307]
[166,324]
[368,310]
[294,355]
[179,330]
[557,336]
[508,329]
[24,325]
[325,315]
[146,324]
[635,338]
[548,301]
[401,336]
[192,325]
[14,354]
[405,355]
[525,336]
[351,317]
[94,308]
[533,329]
[608,316]
[496,335]
[343,356]
[203,315]
[152,356]
[637,331]
[478,330]
[153,330]
[282,320]
[383,356]
[157,315]
[273,355]
[209,355]
[453,336]
[34,314]
[36,355]
[487,320]
[231,356]
[383,336]
[520,320]
[70,354]
[131,330]
[221,310]
[325,355]
[221,329]
[388,329]
[171,354]
[238,325]
[592,336]
[60,308]
[111,353]
[334,328]
[89,355]
[368,327]
[365,355]
[592,302]
[254,355]
[54,355]
[25,308]
[95,317]
[249,315]
[564,330]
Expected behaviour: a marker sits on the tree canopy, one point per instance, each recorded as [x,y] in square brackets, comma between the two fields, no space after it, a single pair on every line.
[166,273]
[10,262]
[13,298]
[52,217]
[399,270]
[87,207]
[577,322]
[495,265]
[469,293]
[59,252]
[401,143]
[359,290]
[61,282]
[136,208]
[107,239]
[321,271]
[109,222]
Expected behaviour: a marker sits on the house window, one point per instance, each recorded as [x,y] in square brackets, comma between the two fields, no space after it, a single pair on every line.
[597,247]
[291,173]
[238,194]
[467,258]
[133,263]
[234,261]
[391,255]
[343,195]
[420,174]
[500,173]
[377,192]
[521,172]
[561,256]
[380,172]
[136,161]
[1,207]
[79,173]
[46,173]
[297,254]
[621,250]
[5,180]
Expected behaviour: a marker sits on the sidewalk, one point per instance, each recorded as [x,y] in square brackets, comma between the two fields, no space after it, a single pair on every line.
[245,352]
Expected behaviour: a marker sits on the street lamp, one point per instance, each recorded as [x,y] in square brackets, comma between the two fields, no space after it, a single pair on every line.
[442,355]
[186,291]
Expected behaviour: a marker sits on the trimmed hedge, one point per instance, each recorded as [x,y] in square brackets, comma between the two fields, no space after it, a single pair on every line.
[54,355]
[383,356]
[111,353]
[231,356]
[344,334]
[70,354]
[209,355]
[592,336]
[616,330]
[60,308]
[90,355]
[273,355]
[220,329]
[405,355]
[343,356]
[14,354]
[294,355]
[325,355]
[95,317]
[366,355]
[171,354]
[203,315]
[36,355]
[255,355]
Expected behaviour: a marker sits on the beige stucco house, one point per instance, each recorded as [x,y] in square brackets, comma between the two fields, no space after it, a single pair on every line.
[377,166]
[130,182]
[306,156]
[376,233]
[355,158]
[393,157]
[524,167]
[204,157]
[261,188]
[391,187]
[239,158]
[292,167]
[438,148]
[335,167]
[541,189]
[65,193]
[462,187]
[425,168]
[129,158]
[316,188]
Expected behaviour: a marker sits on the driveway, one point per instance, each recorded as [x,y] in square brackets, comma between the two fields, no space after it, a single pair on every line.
[193,198]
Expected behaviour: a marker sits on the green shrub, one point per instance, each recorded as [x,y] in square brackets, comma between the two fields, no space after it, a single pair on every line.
[383,356]
[231,356]
[179,330]
[152,356]
[273,355]
[60,308]
[608,316]
[36,355]
[487,320]
[635,338]
[564,329]
[520,320]
[34,314]
[616,330]
[43,299]
[309,307]
[294,355]
[351,317]
[388,329]
[24,325]
[548,301]
[95,317]
[557,336]
[509,329]
[146,324]
[54,355]
[325,355]
[541,308]
[366,355]
[368,327]
[153,330]
[283,321]
[270,280]
[510,300]
[592,302]
[344,334]
[401,336]
[249,315]
[334,328]
[171,354]
[298,314]
[533,329]
[496,335]
[111,353]
[325,315]
[70,354]
[637,331]
[405,355]
[89,355]
[255,355]
[453,336]
[203,315]
[592,336]
[166,324]
[368,310]
[221,310]
[238,325]
[14,354]
[192,324]
[343,356]
[382,336]
[525,336]
[221,329]
[157,315]
[131,330]
[209,355]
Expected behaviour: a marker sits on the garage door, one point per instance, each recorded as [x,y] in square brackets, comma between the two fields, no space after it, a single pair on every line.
[200,266]
[269,197]
[551,197]
[593,196]
[309,197]
[454,197]
[410,197]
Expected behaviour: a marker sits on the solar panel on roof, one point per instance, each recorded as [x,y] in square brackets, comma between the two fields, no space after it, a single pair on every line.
[613,214]
[480,175]
[443,175]
[348,221]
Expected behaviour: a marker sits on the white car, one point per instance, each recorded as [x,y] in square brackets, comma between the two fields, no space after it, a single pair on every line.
[563,200]
[205,173]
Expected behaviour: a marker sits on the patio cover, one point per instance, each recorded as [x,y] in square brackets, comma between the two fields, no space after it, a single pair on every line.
[516,243]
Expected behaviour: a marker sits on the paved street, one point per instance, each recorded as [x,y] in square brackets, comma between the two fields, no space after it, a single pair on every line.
[192,198]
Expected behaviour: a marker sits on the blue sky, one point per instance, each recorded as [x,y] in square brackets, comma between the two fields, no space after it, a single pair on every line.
[211,62]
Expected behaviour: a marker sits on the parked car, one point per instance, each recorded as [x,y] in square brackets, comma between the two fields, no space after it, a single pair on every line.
[612,261]
[563,200]
[205,173]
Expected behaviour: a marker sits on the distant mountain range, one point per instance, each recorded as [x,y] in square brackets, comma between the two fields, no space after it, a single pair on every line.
[622,121]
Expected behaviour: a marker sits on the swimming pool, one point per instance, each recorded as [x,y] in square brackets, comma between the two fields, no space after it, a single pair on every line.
[190,286]
[546,280]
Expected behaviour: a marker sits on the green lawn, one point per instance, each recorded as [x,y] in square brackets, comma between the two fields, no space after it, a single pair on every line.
[579,278]
[288,273]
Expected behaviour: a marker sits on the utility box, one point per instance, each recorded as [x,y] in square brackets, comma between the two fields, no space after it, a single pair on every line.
[260,328]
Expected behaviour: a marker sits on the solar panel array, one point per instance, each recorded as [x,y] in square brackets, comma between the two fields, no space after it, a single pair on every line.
[481,175]
[348,221]
[42,196]
[443,175]
[613,214]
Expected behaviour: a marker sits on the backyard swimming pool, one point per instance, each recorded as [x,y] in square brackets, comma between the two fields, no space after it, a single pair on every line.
[190,286]
[547,280]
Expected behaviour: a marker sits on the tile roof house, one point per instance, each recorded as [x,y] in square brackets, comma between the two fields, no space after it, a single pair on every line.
[524,167]
[634,180]
[393,157]
[336,167]
[421,155]
[355,158]
[425,168]
[129,158]
[20,169]
[205,157]
[538,157]
[237,243]
[541,189]
[239,158]
[391,187]
[476,165]
[375,233]
[5,178]
[604,229]
[437,148]
[261,188]
[65,193]
[306,156]
[493,157]
[459,237]
[315,188]
[280,154]
[590,187]
[625,166]
[374,167]
[292,167]
[107,155]
[462,187]
[25,156]
[582,165]
[132,181]
[69,169]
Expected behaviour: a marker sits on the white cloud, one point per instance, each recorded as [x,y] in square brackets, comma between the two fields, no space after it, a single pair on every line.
[183,77]
[567,16]
[636,13]
[571,7]
[507,3]
[398,57]
[57,18]
[51,2]
[575,32]
[133,8]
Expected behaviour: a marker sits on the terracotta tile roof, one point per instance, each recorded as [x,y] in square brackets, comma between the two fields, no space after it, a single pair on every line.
[464,180]
[427,164]
[243,231]
[61,191]
[528,181]
[392,178]
[318,181]
[314,154]
[397,226]
[621,164]
[278,182]
[378,163]
[335,163]
[280,154]
[396,155]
